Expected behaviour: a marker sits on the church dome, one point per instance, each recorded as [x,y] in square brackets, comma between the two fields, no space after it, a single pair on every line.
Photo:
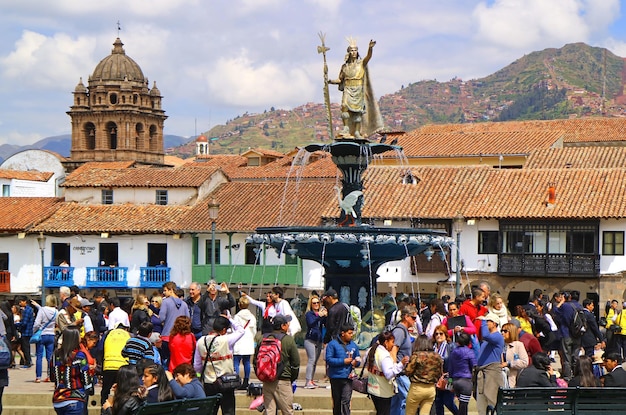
[202,139]
[80,87]
[118,67]
[155,91]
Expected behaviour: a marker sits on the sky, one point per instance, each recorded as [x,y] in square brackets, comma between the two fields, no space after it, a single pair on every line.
[213,60]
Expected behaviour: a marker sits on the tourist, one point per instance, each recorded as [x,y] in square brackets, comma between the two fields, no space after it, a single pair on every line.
[278,394]
[114,341]
[16,343]
[25,328]
[566,309]
[315,321]
[70,316]
[342,356]
[267,310]
[139,347]
[488,363]
[155,307]
[539,374]
[243,350]
[383,369]
[182,343]
[358,95]
[337,314]
[583,374]
[424,369]
[460,367]
[438,315]
[497,307]
[515,355]
[473,308]
[401,350]
[129,395]
[72,380]
[616,375]
[592,337]
[5,335]
[443,347]
[184,382]
[46,316]
[456,323]
[209,303]
[195,311]
[282,307]
[156,383]
[172,307]
[140,313]
[213,358]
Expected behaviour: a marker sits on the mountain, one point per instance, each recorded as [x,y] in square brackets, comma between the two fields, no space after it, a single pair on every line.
[62,144]
[548,84]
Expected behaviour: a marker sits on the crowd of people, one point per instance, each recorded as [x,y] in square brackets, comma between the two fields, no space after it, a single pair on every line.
[436,355]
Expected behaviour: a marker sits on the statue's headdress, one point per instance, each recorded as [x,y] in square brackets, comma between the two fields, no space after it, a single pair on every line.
[351,44]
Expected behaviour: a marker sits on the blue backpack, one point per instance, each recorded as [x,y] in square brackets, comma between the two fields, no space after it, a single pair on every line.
[5,353]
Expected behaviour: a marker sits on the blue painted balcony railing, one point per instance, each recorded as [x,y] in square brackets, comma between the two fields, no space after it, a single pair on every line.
[154,277]
[102,277]
[58,276]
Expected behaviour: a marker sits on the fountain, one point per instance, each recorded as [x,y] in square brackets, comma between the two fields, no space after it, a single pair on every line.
[351,252]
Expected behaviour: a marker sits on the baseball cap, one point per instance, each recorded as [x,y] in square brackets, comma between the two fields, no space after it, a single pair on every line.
[330,293]
[515,322]
[155,337]
[85,302]
[492,317]
[279,320]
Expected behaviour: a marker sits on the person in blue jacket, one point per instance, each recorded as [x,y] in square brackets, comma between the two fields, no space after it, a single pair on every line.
[342,356]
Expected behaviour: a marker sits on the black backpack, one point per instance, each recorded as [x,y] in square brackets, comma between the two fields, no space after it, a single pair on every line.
[579,324]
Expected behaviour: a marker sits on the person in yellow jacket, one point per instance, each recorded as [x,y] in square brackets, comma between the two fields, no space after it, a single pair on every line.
[114,342]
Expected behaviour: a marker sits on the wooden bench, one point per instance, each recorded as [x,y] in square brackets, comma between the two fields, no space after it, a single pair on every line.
[198,406]
[548,401]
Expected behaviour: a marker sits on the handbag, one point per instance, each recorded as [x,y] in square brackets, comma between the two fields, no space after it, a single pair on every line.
[36,337]
[444,382]
[226,382]
[359,383]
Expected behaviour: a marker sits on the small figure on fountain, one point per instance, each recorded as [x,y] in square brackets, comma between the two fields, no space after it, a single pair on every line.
[359,110]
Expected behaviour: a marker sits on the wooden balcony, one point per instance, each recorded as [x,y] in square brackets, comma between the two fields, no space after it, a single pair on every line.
[5,282]
[107,277]
[549,265]
[154,277]
[58,276]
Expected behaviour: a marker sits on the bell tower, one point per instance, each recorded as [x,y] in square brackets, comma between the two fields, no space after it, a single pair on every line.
[117,117]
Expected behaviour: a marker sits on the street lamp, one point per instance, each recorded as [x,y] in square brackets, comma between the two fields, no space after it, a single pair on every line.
[458,228]
[41,240]
[214,209]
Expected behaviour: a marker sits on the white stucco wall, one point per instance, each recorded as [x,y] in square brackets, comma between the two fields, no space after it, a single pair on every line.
[42,161]
[138,195]
[610,264]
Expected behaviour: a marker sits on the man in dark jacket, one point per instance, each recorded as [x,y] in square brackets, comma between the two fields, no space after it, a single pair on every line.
[616,375]
[209,304]
[337,314]
[592,335]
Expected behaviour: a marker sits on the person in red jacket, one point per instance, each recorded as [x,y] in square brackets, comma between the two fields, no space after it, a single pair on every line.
[474,308]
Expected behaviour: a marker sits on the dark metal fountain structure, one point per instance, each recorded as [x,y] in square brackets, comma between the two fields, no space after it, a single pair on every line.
[352,252]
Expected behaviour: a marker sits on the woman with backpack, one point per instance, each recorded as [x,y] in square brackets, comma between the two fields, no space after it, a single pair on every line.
[72,380]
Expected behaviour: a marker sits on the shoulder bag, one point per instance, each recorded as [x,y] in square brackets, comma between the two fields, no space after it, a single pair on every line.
[226,382]
[359,382]
[36,337]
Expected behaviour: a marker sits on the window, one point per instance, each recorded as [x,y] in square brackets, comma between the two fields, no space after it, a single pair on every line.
[582,241]
[612,243]
[208,251]
[161,197]
[251,255]
[291,260]
[6,190]
[107,196]
[4,261]
[487,242]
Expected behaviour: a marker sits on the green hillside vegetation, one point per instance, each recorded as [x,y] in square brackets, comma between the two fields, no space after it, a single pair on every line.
[553,83]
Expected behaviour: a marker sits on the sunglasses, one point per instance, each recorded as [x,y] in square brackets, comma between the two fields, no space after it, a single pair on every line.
[504,331]
[440,333]
[315,302]
[413,317]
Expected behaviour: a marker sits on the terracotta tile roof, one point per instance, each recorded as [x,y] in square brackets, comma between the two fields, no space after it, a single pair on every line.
[22,213]
[475,143]
[34,176]
[187,175]
[244,206]
[575,130]
[483,192]
[577,157]
[125,219]
[263,152]
[227,162]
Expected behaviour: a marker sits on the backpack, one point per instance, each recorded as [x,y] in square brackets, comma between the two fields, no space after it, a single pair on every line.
[269,365]
[579,324]
[349,317]
[5,353]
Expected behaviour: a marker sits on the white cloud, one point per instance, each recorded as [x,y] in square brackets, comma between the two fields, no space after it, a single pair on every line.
[239,81]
